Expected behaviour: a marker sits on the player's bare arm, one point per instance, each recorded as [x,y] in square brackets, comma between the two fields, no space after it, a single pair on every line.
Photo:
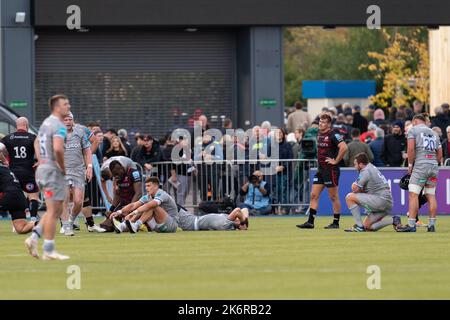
[37,151]
[439,156]
[342,150]
[126,210]
[137,186]
[411,154]
[87,155]
[94,143]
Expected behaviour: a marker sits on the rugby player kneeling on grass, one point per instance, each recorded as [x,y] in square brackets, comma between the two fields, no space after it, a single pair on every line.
[370,191]
[12,198]
[127,184]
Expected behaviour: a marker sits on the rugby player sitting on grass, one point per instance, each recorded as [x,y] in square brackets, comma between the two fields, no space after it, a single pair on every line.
[159,206]
[156,204]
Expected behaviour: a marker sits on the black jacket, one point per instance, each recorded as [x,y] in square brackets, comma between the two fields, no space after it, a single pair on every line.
[445,154]
[141,156]
[441,121]
[360,122]
[393,146]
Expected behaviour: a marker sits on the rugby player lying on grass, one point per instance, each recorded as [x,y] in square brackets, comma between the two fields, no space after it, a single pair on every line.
[160,207]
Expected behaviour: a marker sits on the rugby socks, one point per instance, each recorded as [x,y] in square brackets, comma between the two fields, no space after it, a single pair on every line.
[336,217]
[90,221]
[381,224]
[431,222]
[356,213]
[138,224]
[34,206]
[411,222]
[67,225]
[37,232]
[123,226]
[312,215]
[49,245]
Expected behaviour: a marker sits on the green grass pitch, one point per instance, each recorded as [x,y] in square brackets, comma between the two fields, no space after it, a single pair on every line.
[273,260]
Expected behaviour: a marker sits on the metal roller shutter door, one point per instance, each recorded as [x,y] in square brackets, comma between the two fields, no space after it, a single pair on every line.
[137,80]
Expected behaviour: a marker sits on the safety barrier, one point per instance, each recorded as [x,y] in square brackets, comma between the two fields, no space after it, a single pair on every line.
[191,183]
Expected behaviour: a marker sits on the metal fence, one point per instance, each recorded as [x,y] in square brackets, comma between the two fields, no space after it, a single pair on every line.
[198,181]
[190,184]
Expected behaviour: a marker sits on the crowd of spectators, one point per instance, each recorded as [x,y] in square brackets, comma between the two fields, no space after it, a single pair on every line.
[380,133]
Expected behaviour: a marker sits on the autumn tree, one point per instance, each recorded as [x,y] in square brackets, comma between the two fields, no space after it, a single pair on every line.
[402,67]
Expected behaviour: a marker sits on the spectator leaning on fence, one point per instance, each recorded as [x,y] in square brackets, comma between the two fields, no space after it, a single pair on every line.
[377,147]
[256,193]
[355,147]
[394,146]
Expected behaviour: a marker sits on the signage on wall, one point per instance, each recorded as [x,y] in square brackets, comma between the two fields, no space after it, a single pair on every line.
[18,104]
[268,103]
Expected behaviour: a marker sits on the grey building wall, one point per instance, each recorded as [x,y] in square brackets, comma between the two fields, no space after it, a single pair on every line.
[260,76]
[16,52]
[259,67]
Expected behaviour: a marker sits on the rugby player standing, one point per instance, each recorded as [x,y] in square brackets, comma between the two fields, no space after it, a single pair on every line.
[49,147]
[331,148]
[78,163]
[424,155]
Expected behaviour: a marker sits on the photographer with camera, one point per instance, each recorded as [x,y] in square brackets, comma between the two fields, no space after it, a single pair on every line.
[256,193]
